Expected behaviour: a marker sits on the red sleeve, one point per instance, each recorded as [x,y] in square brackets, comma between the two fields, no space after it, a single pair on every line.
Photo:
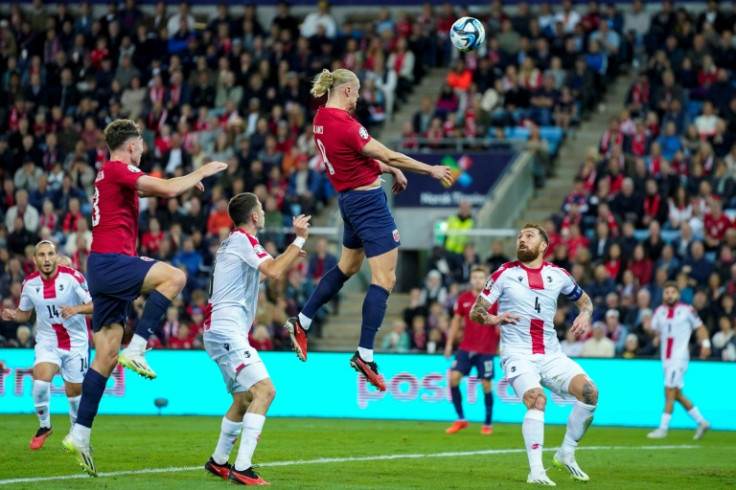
[126,175]
[356,137]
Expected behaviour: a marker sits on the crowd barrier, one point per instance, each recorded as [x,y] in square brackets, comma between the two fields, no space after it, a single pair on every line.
[631,391]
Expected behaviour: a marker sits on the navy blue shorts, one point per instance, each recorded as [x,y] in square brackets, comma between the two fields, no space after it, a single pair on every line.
[115,281]
[465,361]
[368,222]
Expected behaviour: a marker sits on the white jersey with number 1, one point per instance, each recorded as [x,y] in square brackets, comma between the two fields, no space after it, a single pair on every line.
[675,326]
[47,296]
[532,295]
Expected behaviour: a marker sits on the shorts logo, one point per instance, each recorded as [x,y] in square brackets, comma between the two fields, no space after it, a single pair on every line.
[363,133]
[396,236]
[513,369]
[61,287]
[146,259]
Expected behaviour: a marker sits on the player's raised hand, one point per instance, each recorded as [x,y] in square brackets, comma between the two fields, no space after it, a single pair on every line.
[448,351]
[705,352]
[443,174]
[581,324]
[9,314]
[400,181]
[301,225]
[68,312]
[507,318]
[212,168]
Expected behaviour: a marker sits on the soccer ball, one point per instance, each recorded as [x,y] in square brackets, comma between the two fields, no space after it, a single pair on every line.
[467,34]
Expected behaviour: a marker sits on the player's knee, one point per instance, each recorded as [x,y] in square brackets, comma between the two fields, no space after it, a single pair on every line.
[178,279]
[535,399]
[386,280]
[350,268]
[590,393]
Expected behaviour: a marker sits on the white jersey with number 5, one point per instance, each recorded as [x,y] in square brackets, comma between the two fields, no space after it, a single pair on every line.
[67,288]
[532,295]
[234,288]
[675,326]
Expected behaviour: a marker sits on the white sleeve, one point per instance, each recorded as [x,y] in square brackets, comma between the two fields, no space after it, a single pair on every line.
[250,251]
[81,288]
[695,321]
[570,287]
[493,288]
[25,301]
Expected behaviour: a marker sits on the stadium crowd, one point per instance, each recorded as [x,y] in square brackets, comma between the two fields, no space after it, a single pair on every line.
[654,202]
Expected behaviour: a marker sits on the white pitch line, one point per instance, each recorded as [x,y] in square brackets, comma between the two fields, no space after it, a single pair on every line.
[342,460]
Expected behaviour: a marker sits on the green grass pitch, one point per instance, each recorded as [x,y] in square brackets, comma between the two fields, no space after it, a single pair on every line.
[333,453]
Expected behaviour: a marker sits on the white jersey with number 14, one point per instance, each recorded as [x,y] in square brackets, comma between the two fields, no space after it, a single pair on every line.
[532,295]
[675,326]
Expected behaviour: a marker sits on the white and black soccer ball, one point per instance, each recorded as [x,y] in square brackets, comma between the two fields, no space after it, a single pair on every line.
[467,34]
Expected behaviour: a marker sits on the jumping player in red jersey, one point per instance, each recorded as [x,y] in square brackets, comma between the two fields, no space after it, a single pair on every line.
[354,163]
[116,274]
[476,349]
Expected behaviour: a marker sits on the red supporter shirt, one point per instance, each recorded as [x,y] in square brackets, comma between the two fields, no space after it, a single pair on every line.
[716,228]
[115,209]
[340,138]
[476,338]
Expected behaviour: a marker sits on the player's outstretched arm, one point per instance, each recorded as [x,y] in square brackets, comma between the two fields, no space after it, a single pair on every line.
[376,149]
[276,267]
[454,328]
[582,322]
[83,309]
[152,186]
[17,316]
[704,341]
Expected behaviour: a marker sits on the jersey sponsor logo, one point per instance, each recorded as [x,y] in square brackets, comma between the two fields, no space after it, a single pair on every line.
[61,287]
[100,175]
[363,133]
[396,236]
[133,168]
[549,279]
[38,290]
[520,278]
[319,130]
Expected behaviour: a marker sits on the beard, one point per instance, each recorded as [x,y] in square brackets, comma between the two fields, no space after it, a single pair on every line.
[671,303]
[527,254]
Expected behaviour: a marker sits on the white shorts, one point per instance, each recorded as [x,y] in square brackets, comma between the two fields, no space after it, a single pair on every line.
[240,364]
[674,374]
[554,372]
[72,364]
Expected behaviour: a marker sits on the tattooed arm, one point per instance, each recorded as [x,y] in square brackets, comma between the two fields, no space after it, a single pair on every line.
[479,314]
[582,322]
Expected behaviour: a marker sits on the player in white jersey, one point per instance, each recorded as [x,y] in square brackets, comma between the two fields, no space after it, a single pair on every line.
[60,298]
[531,357]
[673,324]
[240,265]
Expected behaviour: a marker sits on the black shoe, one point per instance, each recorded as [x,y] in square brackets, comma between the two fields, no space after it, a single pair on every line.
[369,370]
[221,470]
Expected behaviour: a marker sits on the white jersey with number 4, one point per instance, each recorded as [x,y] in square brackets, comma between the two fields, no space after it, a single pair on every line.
[675,326]
[532,295]
[47,296]
[234,290]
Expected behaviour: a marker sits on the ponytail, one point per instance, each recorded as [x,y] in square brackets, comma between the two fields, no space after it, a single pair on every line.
[327,80]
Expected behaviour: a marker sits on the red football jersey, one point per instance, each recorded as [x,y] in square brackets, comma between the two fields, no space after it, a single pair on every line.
[340,138]
[115,209]
[476,338]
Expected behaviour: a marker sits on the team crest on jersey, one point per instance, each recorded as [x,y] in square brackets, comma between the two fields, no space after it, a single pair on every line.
[520,278]
[396,236]
[61,287]
[363,133]
[549,279]
[133,168]
[489,284]
[38,290]
[259,249]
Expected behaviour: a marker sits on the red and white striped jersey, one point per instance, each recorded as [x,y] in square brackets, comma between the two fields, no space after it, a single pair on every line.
[532,295]
[675,326]
[236,278]
[47,296]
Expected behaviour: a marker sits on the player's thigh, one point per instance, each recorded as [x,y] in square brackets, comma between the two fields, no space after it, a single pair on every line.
[370,219]
[158,274]
[46,363]
[240,365]
[483,364]
[117,275]
[351,259]
[108,311]
[522,374]
[74,365]
[557,373]
[674,375]
[461,364]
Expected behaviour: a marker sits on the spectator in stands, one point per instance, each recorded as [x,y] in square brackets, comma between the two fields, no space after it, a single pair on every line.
[631,347]
[598,345]
[396,341]
[433,290]
[615,331]
[696,266]
[724,346]
[601,286]
[322,18]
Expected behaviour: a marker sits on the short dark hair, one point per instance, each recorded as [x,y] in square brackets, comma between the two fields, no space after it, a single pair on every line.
[118,132]
[241,206]
[479,268]
[670,284]
[541,231]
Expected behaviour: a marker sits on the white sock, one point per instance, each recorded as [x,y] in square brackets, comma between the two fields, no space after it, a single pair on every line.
[74,407]
[305,321]
[665,422]
[577,423]
[229,432]
[252,427]
[41,397]
[695,414]
[533,430]
[365,354]
[81,433]
[137,344]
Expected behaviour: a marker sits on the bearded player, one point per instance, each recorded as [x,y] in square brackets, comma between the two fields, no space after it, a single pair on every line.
[531,357]
[60,298]
[476,349]
[674,322]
